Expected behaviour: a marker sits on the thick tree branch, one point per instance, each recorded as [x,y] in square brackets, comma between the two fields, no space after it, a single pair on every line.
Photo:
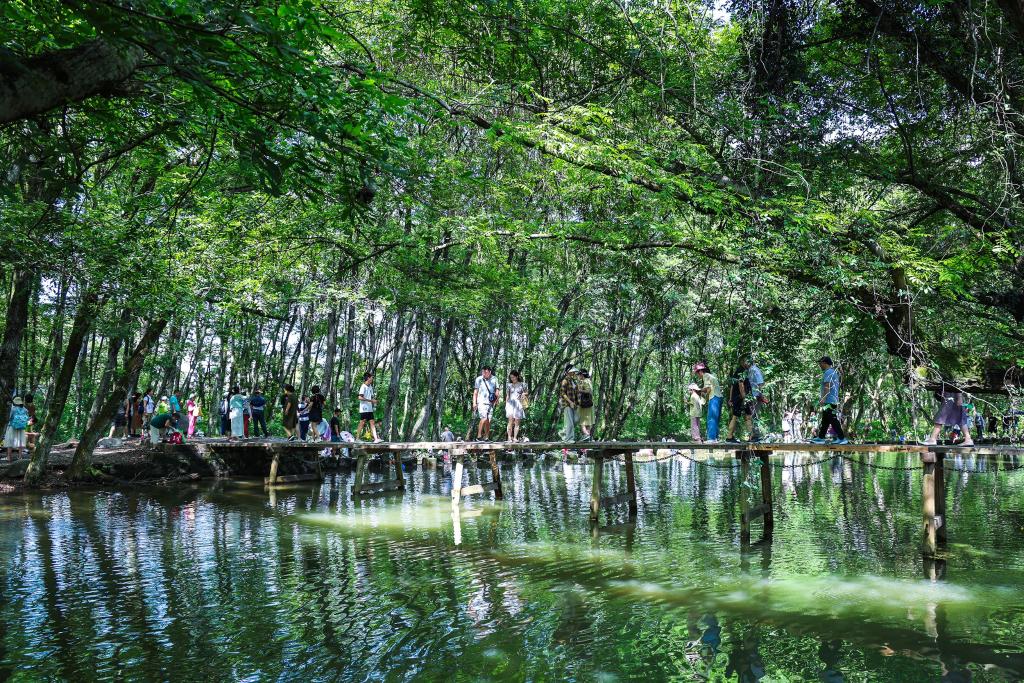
[39,84]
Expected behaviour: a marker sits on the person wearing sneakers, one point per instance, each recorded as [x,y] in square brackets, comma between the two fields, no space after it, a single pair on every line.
[829,403]
[951,413]
[367,403]
[485,397]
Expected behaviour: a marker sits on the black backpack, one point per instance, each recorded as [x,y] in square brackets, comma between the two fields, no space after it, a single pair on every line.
[586,399]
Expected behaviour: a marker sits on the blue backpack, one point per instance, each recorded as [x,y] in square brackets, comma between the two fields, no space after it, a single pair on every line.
[19,418]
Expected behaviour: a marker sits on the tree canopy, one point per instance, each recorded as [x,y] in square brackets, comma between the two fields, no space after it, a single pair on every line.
[304,189]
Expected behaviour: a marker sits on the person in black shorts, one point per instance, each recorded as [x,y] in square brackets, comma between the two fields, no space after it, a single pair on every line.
[367,403]
[316,412]
[739,387]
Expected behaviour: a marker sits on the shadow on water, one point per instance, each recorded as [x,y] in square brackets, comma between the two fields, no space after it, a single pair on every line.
[233,581]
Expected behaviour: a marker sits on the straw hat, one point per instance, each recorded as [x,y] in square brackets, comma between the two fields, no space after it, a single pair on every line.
[18,401]
[694,387]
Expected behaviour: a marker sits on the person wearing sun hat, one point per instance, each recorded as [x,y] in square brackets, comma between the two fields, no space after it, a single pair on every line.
[711,390]
[17,426]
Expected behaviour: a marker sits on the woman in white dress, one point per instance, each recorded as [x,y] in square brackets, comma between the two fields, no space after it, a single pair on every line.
[236,406]
[516,401]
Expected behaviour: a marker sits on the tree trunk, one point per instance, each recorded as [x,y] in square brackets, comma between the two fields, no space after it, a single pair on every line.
[346,383]
[101,417]
[110,367]
[395,382]
[14,331]
[84,318]
[331,352]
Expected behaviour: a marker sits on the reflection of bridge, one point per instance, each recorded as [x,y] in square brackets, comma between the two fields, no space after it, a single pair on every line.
[930,458]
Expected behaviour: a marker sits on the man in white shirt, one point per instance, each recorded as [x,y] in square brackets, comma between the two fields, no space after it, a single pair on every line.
[366,406]
[485,397]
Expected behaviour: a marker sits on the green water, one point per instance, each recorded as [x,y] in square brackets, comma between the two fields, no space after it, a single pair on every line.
[231,582]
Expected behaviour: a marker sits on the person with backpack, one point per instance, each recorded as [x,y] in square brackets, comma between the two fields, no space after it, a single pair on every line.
[367,404]
[568,401]
[258,406]
[585,412]
[485,396]
[17,426]
[829,403]
[756,397]
[739,406]
[516,401]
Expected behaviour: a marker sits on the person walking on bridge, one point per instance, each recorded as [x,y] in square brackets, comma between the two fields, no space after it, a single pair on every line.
[289,412]
[258,406]
[756,396]
[829,403]
[568,400]
[485,397]
[711,390]
[951,414]
[367,406]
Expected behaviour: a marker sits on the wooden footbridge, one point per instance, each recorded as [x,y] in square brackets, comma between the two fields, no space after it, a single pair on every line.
[930,458]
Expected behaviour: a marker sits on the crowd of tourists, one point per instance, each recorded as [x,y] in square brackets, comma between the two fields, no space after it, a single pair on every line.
[305,417]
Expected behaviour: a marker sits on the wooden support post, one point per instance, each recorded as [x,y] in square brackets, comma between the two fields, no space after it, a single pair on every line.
[631,483]
[457,477]
[595,491]
[275,464]
[496,476]
[940,500]
[399,475]
[933,502]
[744,457]
[766,493]
[361,458]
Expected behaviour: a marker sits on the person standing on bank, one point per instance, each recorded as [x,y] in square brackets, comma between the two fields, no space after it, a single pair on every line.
[711,390]
[17,426]
[289,412]
[367,404]
[568,401]
[120,425]
[258,405]
[485,397]
[951,414]
[585,411]
[829,402]
[236,413]
[192,407]
[516,401]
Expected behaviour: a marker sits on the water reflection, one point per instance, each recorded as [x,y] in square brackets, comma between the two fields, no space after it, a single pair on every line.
[236,582]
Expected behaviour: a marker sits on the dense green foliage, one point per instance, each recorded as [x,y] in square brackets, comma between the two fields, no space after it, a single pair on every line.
[307,189]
